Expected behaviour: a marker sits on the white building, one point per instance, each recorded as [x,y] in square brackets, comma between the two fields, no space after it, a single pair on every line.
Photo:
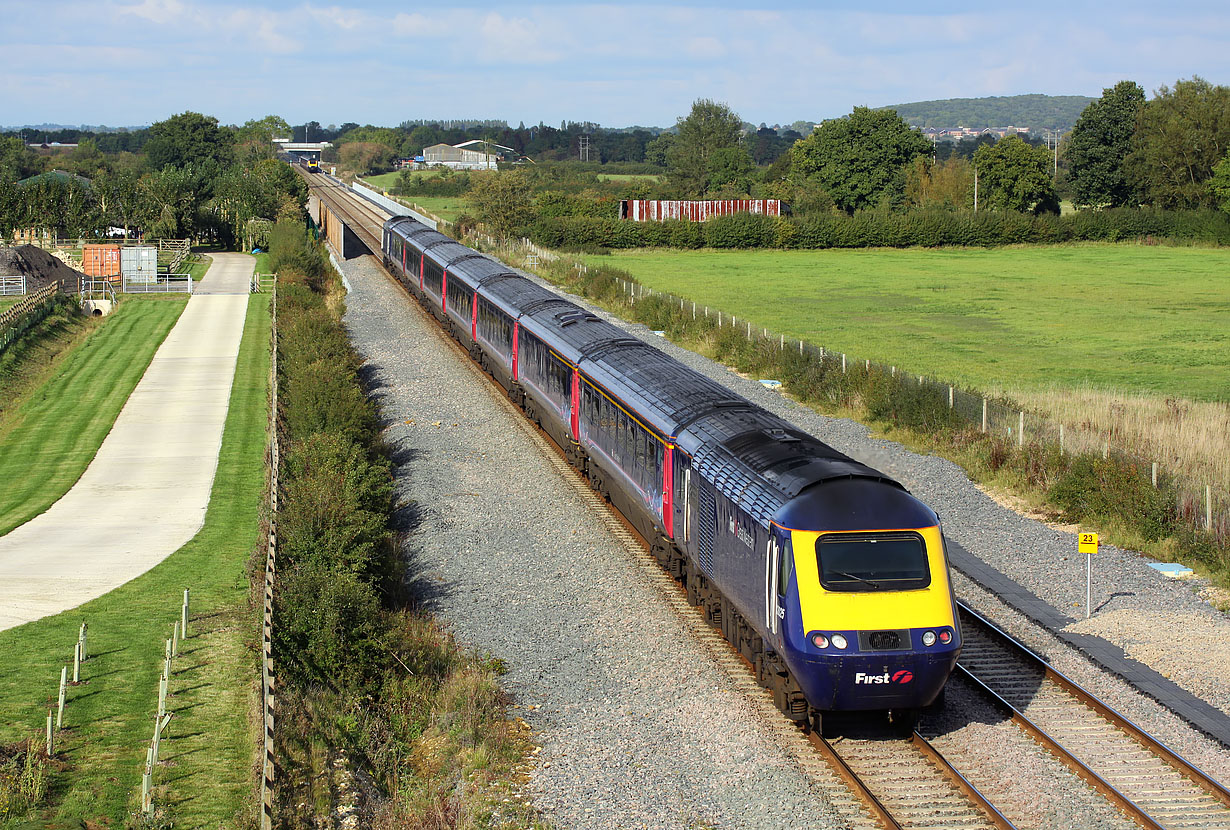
[469,155]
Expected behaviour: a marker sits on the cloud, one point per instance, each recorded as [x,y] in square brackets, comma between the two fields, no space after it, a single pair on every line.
[156,11]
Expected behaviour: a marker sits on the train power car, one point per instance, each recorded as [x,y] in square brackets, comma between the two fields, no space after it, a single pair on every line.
[828,576]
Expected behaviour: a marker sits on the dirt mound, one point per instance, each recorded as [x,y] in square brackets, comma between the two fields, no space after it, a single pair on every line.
[39,267]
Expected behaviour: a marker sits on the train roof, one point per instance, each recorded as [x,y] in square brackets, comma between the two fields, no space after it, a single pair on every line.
[480,270]
[855,504]
[769,466]
[409,228]
[447,251]
[517,293]
[656,383]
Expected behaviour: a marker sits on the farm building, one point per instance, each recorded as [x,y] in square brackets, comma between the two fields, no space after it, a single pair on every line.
[470,155]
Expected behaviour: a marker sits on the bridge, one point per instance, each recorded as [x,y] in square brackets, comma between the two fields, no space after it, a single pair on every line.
[300,149]
[352,217]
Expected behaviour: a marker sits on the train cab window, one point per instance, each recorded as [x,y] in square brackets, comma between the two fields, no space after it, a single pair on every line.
[872,562]
[785,569]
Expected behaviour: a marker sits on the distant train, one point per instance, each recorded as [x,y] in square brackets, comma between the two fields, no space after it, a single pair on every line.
[310,164]
[829,577]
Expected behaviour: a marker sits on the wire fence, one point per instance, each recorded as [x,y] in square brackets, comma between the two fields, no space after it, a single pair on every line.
[1202,505]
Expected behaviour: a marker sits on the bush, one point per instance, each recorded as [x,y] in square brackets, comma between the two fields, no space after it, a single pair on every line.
[1096,488]
[336,508]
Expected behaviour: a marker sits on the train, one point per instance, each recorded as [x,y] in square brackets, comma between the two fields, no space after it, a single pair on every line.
[829,577]
[310,164]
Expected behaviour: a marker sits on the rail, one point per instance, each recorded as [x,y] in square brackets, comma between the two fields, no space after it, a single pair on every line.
[1205,793]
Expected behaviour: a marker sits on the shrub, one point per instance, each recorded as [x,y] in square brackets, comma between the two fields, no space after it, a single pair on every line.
[1093,487]
[336,508]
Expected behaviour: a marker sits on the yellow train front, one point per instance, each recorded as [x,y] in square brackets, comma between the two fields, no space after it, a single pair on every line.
[863,614]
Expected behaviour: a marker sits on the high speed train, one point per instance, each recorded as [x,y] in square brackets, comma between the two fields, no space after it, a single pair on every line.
[828,576]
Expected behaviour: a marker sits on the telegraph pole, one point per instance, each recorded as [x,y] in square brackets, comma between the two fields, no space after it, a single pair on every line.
[583,147]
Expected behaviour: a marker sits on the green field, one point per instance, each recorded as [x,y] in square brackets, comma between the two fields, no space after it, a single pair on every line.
[6,302]
[51,436]
[651,178]
[209,750]
[1123,317]
[447,208]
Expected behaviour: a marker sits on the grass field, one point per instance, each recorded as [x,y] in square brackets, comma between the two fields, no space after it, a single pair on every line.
[1119,317]
[209,750]
[6,302]
[447,208]
[652,178]
[52,433]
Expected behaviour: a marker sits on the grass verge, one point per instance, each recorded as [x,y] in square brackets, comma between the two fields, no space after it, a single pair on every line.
[53,428]
[209,751]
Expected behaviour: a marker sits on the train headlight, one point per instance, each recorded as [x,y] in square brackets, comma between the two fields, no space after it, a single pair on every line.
[819,641]
[928,638]
[839,641]
[945,637]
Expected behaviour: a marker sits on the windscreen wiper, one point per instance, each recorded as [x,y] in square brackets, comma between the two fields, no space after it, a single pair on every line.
[875,585]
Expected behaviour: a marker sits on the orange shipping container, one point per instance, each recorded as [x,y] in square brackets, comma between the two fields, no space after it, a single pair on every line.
[101,260]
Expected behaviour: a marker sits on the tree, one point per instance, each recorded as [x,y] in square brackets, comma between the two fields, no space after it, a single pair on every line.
[189,138]
[860,159]
[1219,184]
[1015,176]
[255,137]
[18,160]
[658,151]
[169,201]
[947,184]
[502,201]
[1182,133]
[1099,144]
[709,127]
[730,173]
[363,157]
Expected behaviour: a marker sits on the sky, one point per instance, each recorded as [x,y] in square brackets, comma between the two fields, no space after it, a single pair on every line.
[132,63]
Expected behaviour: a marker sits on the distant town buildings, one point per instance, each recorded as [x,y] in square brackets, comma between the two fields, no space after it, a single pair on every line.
[958,133]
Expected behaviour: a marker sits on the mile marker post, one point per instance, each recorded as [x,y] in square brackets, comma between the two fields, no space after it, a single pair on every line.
[1087,543]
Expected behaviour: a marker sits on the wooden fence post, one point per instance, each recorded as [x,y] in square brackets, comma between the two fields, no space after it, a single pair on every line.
[63,691]
[984,414]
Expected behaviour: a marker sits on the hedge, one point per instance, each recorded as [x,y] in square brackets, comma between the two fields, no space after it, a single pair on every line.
[924,228]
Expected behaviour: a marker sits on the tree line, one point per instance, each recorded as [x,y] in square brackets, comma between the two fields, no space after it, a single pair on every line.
[191,178]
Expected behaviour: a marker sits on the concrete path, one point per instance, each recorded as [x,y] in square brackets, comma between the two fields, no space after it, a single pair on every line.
[145,493]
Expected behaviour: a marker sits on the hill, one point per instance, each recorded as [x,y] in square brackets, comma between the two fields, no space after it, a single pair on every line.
[1038,112]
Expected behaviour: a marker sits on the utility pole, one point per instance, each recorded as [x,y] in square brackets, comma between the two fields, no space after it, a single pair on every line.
[975,189]
[583,147]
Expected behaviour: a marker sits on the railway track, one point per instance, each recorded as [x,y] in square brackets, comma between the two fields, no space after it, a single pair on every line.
[1143,777]
[363,218]
[884,780]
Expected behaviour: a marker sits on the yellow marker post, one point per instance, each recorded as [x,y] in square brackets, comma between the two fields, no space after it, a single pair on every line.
[1087,543]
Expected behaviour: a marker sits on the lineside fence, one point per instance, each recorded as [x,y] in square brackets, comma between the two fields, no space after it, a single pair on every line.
[16,320]
[268,700]
[1200,505]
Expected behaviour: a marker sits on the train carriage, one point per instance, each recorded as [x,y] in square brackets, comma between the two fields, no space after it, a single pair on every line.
[828,576]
